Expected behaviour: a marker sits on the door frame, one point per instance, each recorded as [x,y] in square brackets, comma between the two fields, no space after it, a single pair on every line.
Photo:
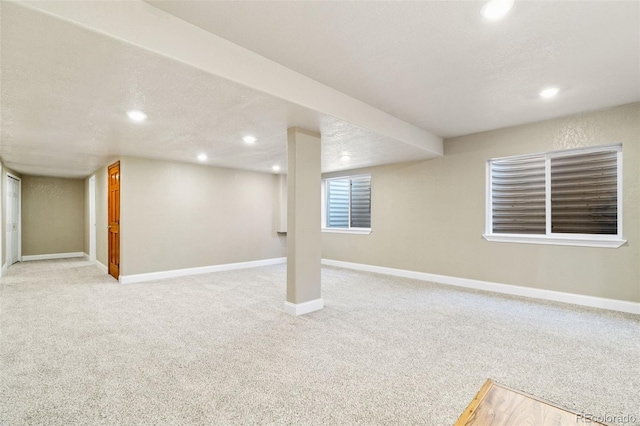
[19,180]
[92,219]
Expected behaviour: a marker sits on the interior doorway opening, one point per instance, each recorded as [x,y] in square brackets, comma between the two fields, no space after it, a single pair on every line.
[92,219]
[13,224]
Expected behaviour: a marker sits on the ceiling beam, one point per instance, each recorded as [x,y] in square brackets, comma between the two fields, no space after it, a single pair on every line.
[140,24]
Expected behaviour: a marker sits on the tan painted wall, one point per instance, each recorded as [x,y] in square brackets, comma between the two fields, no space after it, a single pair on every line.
[177,215]
[52,215]
[429,216]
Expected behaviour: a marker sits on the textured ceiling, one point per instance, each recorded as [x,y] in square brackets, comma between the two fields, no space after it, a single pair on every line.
[65,92]
[440,65]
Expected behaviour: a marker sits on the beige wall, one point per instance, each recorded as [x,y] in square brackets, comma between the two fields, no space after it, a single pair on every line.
[429,216]
[177,215]
[52,215]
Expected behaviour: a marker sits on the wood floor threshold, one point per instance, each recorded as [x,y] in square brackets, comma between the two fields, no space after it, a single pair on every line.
[498,405]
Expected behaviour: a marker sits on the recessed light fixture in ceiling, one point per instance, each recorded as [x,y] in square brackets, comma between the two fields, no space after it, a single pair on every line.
[249,139]
[496,9]
[345,158]
[202,157]
[136,115]
[276,168]
[549,92]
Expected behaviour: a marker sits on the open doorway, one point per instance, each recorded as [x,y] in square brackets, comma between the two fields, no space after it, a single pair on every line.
[2,203]
[92,219]
[13,222]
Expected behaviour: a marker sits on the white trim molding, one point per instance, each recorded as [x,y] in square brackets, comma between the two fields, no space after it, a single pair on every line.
[596,241]
[102,266]
[534,293]
[361,231]
[97,263]
[152,276]
[53,256]
[303,308]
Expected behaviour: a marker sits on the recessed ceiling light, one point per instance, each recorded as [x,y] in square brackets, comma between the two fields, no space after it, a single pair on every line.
[202,157]
[345,158]
[249,139]
[137,115]
[496,9]
[549,93]
[276,168]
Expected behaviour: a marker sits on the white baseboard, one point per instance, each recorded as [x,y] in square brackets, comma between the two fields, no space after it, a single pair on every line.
[86,256]
[102,267]
[535,293]
[4,269]
[136,278]
[52,256]
[303,308]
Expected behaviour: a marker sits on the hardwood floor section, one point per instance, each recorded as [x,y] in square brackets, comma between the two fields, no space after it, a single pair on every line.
[497,405]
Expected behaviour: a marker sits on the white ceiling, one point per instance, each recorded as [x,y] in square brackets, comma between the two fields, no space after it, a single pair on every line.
[65,88]
[439,64]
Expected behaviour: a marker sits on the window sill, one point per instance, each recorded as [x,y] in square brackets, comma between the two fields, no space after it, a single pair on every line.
[557,240]
[361,231]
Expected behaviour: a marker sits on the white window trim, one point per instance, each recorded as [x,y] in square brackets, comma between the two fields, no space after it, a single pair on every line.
[580,240]
[350,230]
[557,239]
[362,231]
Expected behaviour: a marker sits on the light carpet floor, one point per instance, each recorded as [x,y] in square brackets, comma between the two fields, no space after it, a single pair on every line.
[76,348]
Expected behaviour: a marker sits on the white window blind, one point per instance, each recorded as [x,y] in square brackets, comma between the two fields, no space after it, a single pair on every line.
[338,203]
[361,202]
[348,202]
[574,193]
[518,196]
[584,193]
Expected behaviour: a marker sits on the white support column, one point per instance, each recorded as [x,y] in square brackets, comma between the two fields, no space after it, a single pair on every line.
[304,248]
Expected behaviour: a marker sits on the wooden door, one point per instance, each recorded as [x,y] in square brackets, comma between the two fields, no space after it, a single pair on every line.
[113,176]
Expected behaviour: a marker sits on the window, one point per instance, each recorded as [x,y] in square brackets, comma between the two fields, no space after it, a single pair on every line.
[569,197]
[347,204]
